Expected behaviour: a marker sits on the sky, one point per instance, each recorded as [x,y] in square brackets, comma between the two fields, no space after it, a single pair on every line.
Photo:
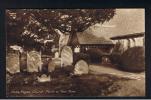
[126,21]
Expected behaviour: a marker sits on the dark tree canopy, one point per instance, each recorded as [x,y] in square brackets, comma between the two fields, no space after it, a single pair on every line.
[34,26]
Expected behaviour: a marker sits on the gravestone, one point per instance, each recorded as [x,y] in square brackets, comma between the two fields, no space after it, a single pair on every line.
[51,66]
[33,61]
[66,56]
[81,67]
[56,62]
[23,62]
[56,54]
[12,62]
[44,78]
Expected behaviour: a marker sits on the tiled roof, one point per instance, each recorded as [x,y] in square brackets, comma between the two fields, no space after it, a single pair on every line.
[134,35]
[86,38]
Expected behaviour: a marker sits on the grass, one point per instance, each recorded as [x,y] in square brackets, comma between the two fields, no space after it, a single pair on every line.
[84,85]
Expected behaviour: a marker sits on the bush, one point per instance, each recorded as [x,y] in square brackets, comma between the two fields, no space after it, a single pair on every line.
[62,71]
[95,55]
[115,58]
[133,59]
[81,56]
[94,51]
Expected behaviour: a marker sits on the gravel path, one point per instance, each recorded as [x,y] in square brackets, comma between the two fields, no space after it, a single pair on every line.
[98,69]
[133,87]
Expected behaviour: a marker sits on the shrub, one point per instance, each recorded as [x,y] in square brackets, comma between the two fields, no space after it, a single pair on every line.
[133,59]
[95,55]
[62,71]
[94,51]
[115,58]
[81,56]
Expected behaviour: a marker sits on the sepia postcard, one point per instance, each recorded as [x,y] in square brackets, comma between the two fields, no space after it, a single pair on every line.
[75,52]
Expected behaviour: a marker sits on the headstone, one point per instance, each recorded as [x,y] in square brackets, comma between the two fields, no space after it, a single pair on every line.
[44,66]
[66,56]
[81,67]
[33,61]
[12,62]
[56,54]
[57,62]
[23,61]
[76,49]
[44,78]
[51,66]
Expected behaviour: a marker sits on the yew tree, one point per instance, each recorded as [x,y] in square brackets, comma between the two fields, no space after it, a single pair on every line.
[35,26]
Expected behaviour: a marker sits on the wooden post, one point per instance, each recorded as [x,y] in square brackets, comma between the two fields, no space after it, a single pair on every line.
[134,41]
[128,44]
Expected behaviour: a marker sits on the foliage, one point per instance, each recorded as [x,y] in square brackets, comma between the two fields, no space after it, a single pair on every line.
[36,26]
[95,52]
[81,56]
[115,58]
[133,59]
[118,48]
[95,55]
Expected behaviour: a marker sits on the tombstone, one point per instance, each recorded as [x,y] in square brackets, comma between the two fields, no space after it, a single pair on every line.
[44,78]
[23,62]
[44,66]
[33,61]
[51,66]
[12,62]
[56,54]
[81,67]
[66,56]
[56,62]
[77,49]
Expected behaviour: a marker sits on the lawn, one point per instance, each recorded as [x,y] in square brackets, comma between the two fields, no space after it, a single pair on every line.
[26,85]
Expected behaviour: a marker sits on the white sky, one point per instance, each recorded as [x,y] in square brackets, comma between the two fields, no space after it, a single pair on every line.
[126,21]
